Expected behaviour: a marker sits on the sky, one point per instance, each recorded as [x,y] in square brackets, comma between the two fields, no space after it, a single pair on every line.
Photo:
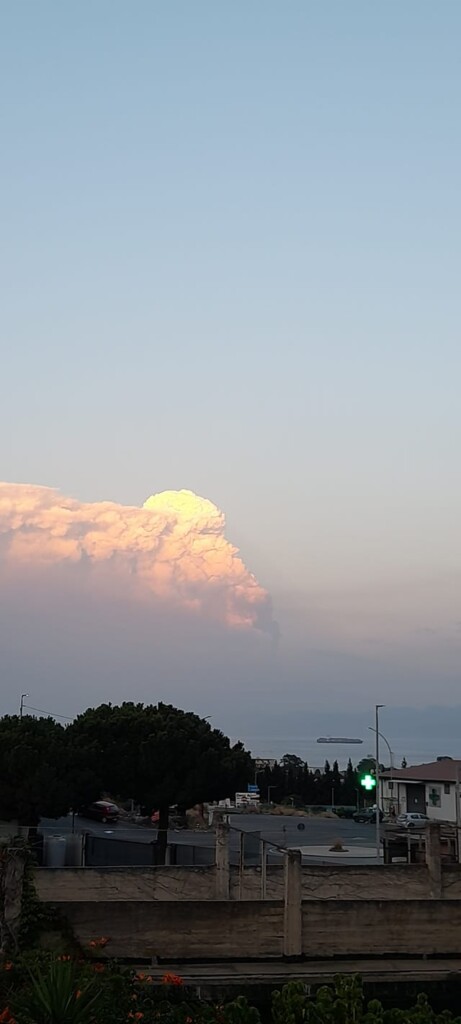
[230,261]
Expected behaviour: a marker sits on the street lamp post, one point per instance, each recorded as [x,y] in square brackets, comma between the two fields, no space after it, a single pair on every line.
[382,736]
[391,755]
[21,706]
[378,798]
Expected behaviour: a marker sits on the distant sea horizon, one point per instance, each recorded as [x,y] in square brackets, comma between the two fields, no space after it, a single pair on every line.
[416,750]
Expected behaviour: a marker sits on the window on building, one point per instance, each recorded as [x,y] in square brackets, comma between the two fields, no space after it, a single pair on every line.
[446,788]
[390,785]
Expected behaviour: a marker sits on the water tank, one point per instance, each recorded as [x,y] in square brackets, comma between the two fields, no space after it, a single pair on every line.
[54,851]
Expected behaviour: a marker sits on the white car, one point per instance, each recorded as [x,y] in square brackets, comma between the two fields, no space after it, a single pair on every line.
[412,819]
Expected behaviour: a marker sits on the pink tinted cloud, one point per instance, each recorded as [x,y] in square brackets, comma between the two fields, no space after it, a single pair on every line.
[173,548]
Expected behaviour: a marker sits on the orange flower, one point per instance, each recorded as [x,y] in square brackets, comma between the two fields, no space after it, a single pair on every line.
[8,966]
[99,943]
[172,979]
[64,959]
[140,977]
[78,994]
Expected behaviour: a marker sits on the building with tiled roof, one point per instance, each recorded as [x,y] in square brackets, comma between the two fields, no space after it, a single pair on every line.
[431,789]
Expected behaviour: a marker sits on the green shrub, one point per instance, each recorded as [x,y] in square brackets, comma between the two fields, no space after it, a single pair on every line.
[58,994]
[40,989]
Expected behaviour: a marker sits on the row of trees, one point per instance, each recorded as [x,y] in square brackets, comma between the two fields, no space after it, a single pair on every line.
[291,780]
[155,755]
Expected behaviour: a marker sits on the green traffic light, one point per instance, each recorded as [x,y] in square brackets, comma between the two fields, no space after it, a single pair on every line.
[368,782]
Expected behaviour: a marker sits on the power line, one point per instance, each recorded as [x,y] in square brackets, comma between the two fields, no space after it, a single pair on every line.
[51,714]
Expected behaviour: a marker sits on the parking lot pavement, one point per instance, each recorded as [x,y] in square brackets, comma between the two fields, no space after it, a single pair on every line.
[280,831]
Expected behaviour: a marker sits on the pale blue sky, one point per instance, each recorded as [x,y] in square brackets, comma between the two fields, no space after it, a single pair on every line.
[230,262]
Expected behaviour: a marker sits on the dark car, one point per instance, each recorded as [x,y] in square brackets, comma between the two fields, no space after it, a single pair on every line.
[367,814]
[101,810]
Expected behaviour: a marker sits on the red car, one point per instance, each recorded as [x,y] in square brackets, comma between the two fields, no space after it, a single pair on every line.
[101,810]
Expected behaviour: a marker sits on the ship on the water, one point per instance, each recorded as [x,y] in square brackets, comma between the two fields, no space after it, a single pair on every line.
[337,739]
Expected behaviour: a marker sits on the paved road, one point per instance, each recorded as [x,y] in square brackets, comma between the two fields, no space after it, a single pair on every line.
[316,832]
[281,831]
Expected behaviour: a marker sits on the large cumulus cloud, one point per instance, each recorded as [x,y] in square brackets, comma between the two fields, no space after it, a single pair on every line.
[173,548]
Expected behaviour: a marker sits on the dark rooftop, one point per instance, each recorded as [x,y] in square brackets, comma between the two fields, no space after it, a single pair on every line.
[435,771]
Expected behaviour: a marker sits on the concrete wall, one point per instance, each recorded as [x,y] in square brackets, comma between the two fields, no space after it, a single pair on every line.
[451,882]
[212,930]
[220,929]
[322,911]
[124,884]
[345,882]
[318,882]
[386,882]
[364,928]
[205,913]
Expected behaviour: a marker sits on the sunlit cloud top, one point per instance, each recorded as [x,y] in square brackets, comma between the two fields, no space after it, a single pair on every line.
[174,548]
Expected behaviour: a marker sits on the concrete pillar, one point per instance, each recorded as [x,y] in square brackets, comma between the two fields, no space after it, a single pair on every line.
[292,932]
[222,861]
[434,859]
[241,862]
[263,859]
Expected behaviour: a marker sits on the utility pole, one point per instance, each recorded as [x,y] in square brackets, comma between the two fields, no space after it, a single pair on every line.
[378,799]
[458,816]
[21,706]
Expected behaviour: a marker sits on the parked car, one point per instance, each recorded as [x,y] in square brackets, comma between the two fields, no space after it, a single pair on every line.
[367,814]
[412,819]
[101,810]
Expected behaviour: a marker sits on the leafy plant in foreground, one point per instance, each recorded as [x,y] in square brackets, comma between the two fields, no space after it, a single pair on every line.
[58,995]
[240,1012]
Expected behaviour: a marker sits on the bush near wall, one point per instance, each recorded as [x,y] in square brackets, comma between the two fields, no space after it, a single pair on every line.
[38,988]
